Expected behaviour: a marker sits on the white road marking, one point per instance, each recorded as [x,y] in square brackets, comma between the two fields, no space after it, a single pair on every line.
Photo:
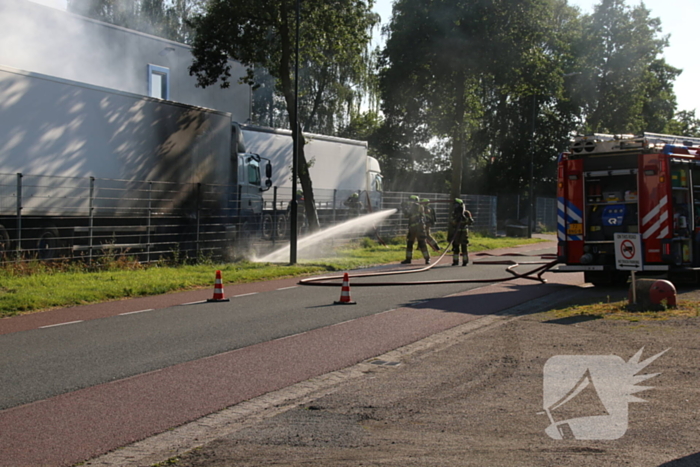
[245,294]
[60,324]
[287,288]
[344,322]
[134,312]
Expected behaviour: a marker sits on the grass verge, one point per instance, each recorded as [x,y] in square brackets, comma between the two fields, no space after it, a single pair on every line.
[31,287]
[619,311]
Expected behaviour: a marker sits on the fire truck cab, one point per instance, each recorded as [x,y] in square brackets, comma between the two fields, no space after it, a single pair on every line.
[647,184]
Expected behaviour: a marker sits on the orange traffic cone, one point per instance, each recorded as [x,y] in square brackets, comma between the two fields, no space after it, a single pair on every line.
[218,290]
[345,292]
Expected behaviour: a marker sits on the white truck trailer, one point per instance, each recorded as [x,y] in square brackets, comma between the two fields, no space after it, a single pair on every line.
[77,160]
[339,168]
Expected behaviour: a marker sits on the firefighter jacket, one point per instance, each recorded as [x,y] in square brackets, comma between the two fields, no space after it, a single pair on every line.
[414,213]
[430,218]
[461,219]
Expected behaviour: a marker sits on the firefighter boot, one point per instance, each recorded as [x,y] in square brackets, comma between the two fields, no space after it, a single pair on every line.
[409,256]
[426,255]
[465,258]
[455,259]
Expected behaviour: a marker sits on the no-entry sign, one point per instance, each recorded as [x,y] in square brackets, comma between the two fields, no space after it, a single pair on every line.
[628,251]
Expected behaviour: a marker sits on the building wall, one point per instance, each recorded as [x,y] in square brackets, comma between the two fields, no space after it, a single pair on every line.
[44,40]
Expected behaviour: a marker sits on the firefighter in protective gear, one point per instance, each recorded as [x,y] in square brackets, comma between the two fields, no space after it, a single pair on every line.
[416,229]
[460,220]
[354,204]
[430,221]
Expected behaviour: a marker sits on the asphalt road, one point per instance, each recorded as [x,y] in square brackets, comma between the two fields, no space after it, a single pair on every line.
[48,361]
[74,388]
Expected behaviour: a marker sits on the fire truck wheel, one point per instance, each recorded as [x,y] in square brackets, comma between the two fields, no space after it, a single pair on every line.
[621,278]
[603,278]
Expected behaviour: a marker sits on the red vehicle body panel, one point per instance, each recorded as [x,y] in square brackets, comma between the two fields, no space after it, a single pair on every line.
[632,185]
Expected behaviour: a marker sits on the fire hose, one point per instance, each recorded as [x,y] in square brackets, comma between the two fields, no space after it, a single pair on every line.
[535,274]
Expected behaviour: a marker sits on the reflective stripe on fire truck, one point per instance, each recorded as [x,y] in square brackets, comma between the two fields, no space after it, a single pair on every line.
[660,215]
[573,215]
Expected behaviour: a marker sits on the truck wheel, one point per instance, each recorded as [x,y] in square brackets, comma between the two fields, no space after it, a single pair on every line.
[4,242]
[267,225]
[47,244]
[621,278]
[598,278]
[281,226]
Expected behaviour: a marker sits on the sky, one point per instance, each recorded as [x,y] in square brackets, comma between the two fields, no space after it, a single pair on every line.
[677,19]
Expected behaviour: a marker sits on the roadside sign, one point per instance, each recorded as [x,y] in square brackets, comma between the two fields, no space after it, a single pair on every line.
[628,252]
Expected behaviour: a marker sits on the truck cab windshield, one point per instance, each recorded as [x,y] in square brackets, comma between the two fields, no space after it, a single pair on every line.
[253,172]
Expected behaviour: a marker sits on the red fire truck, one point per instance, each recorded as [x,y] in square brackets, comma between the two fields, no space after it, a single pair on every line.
[646,184]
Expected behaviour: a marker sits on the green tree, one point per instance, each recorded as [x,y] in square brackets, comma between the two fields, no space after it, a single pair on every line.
[685,123]
[630,86]
[333,36]
[161,18]
[449,64]
[524,127]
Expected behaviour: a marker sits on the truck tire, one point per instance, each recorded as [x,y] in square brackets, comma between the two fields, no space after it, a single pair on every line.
[4,242]
[47,244]
[282,226]
[598,278]
[606,278]
[267,226]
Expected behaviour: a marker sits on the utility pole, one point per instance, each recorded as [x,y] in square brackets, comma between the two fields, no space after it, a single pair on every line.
[295,150]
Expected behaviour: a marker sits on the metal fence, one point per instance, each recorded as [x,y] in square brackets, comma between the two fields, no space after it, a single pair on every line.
[546,215]
[332,210]
[45,217]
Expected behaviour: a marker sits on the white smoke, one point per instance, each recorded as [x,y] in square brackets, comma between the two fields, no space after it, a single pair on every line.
[45,40]
[58,4]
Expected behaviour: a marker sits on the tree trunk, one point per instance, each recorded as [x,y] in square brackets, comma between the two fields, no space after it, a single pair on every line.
[307,188]
[458,136]
[290,98]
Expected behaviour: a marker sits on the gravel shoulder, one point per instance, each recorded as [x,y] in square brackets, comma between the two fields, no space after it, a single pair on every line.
[473,396]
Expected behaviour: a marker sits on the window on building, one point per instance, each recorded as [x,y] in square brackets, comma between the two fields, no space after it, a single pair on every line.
[158,82]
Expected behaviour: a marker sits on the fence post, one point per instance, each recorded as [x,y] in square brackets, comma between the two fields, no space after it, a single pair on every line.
[494,215]
[91,217]
[19,217]
[335,192]
[199,199]
[148,224]
[274,215]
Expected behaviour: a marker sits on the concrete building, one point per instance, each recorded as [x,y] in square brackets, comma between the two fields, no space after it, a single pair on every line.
[39,39]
